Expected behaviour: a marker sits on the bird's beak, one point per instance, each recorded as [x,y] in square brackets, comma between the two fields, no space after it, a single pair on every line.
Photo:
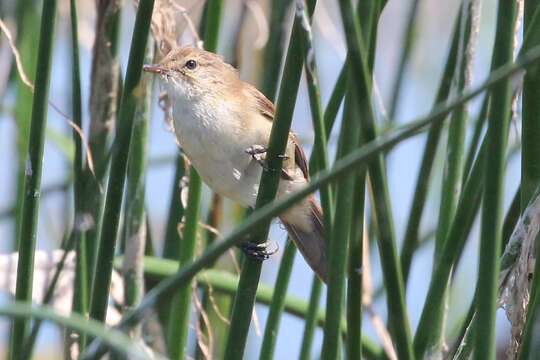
[156,69]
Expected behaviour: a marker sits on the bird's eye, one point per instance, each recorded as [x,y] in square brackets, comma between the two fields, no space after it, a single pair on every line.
[191,64]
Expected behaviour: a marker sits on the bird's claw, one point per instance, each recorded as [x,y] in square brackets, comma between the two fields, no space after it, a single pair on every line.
[259,251]
[258,153]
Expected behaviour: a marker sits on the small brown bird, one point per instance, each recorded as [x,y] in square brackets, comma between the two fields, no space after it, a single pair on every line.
[223,125]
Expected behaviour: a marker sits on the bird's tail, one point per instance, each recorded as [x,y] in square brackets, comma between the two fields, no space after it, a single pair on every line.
[310,239]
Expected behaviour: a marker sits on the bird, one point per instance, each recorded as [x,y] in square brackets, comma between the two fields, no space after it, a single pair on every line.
[223,125]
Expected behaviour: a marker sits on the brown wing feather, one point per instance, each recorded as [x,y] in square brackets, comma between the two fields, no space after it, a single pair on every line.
[264,105]
[268,110]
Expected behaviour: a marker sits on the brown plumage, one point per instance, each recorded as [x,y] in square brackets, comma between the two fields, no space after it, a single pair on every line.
[217,117]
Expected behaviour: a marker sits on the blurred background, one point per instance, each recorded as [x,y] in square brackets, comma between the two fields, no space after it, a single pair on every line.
[432,34]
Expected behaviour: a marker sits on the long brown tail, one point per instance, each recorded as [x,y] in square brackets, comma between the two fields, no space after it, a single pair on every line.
[311,243]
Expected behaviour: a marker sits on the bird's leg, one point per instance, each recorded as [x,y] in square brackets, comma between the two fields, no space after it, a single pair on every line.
[259,251]
[258,153]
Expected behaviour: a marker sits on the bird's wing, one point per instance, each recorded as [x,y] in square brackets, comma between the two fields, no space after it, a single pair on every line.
[268,110]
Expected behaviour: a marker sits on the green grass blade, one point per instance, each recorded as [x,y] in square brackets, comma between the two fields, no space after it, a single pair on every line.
[115,189]
[178,326]
[278,302]
[407,40]
[411,237]
[397,311]
[337,254]
[113,338]
[33,171]
[490,236]
[273,52]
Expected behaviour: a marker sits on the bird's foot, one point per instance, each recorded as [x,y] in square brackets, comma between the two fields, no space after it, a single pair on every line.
[258,153]
[259,251]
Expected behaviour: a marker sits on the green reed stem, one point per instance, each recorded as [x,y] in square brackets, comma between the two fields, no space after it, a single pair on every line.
[32,176]
[115,188]
[397,312]
[411,237]
[178,326]
[490,235]
[112,338]
[337,254]
[407,40]
[453,168]
[273,52]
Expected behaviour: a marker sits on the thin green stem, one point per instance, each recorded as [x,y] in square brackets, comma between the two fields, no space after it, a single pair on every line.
[273,52]
[407,40]
[456,237]
[337,256]
[278,302]
[179,313]
[115,188]
[490,234]
[530,175]
[178,326]
[80,294]
[397,311]
[453,167]
[32,175]
[411,237]
[112,338]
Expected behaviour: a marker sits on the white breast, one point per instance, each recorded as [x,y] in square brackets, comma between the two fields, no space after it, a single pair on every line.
[214,142]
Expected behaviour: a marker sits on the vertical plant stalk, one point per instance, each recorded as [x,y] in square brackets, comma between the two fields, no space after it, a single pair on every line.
[476,136]
[80,295]
[278,302]
[530,166]
[27,18]
[471,194]
[178,328]
[490,235]
[135,214]
[453,169]
[407,41]
[113,201]
[355,266]
[180,309]
[330,114]
[32,175]
[411,237]
[273,52]
[104,98]
[251,268]
[530,173]
[320,162]
[33,171]
[397,311]
[349,139]
[176,212]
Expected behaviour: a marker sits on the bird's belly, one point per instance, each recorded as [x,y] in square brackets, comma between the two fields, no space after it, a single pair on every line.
[223,165]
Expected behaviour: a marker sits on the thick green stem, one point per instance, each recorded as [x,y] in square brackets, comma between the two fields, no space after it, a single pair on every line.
[32,175]
[178,326]
[491,229]
[115,188]
[397,311]
[411,238]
